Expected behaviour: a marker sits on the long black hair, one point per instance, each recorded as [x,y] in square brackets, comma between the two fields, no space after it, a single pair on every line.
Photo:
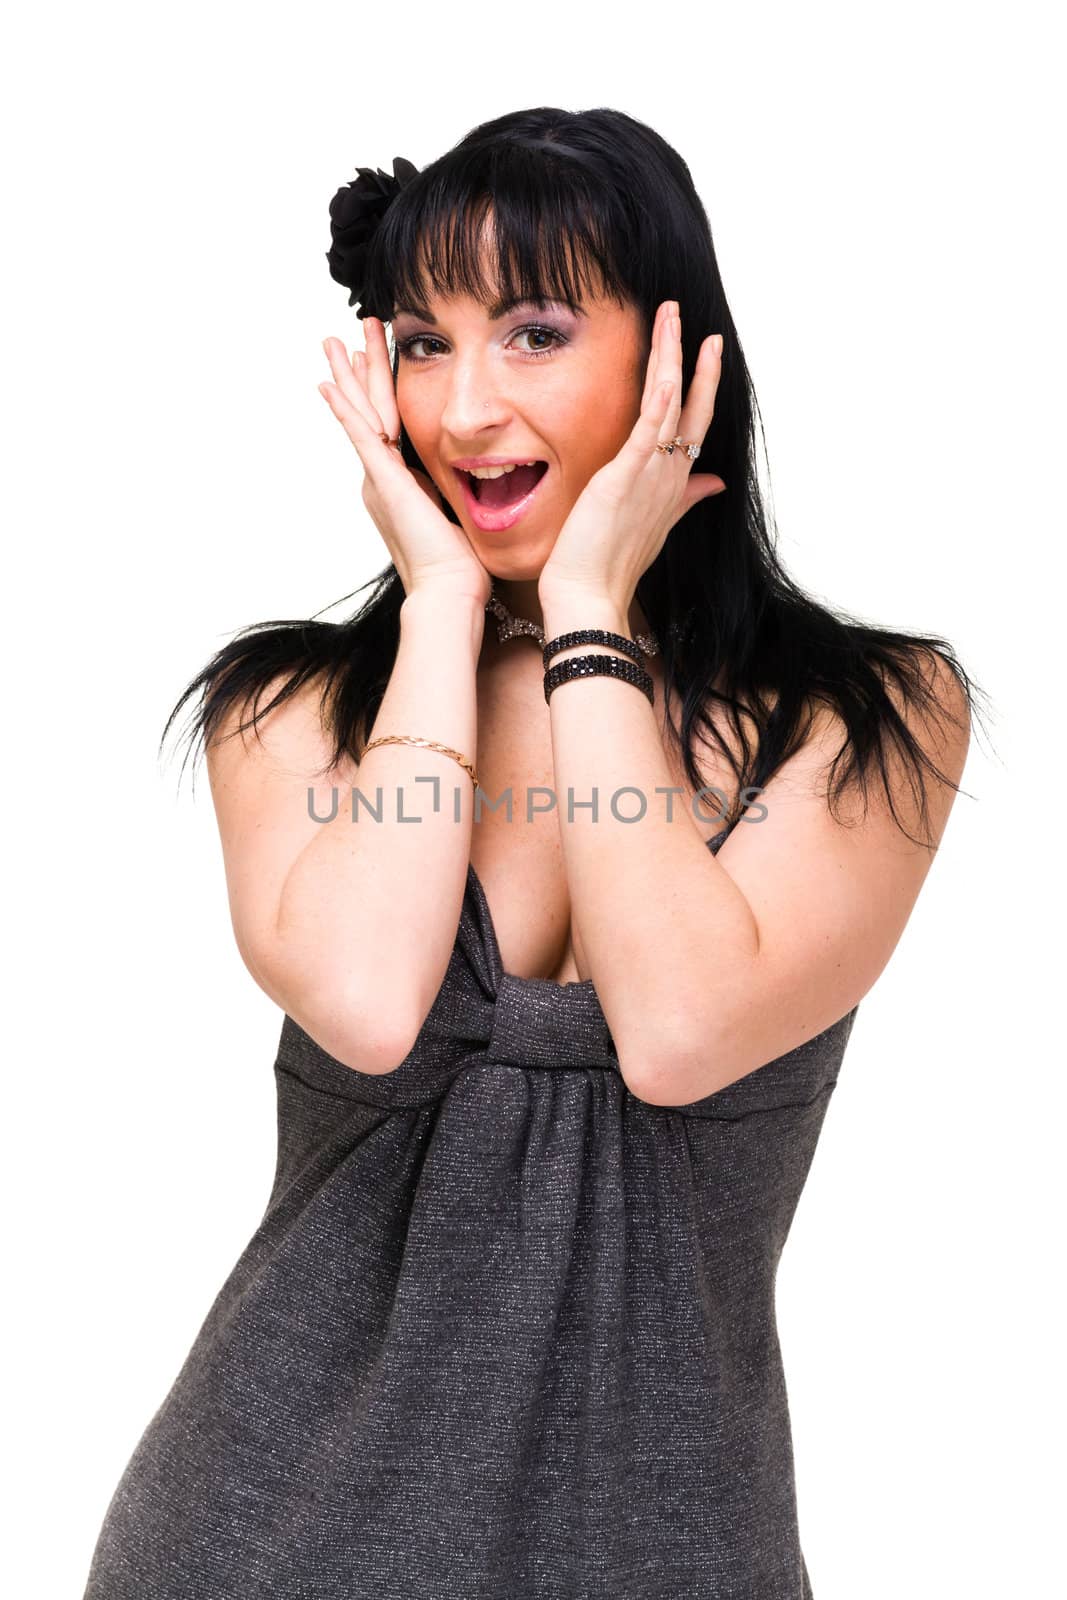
[598,192]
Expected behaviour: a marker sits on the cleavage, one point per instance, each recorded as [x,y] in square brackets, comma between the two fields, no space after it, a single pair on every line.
[520,868]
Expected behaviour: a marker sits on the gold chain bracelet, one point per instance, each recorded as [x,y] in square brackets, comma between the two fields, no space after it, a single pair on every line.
[429,744]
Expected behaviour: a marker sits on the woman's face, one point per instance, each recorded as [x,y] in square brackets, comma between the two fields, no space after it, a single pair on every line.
[548,384]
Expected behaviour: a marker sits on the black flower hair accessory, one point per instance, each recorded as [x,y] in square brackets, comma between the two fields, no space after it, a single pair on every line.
[355,213]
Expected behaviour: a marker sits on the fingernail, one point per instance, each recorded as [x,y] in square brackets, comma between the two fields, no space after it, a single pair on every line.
[717,342]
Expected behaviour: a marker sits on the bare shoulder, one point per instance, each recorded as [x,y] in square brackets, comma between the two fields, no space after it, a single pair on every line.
[289,740]
[920,783]
[935,716]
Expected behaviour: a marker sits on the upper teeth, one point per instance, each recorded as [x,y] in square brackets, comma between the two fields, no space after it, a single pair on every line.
[498,472]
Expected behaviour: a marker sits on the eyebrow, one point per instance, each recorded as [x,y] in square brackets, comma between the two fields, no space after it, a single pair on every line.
[499,308]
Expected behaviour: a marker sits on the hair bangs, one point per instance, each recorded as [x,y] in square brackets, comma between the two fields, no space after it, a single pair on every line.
[503,226]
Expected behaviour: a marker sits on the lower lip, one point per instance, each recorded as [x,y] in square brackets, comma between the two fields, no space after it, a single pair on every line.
[495,521]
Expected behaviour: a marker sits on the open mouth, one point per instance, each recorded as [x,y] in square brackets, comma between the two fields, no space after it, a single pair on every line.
[496,494]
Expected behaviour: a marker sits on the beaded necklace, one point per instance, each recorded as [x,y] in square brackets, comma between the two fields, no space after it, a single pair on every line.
[511,627]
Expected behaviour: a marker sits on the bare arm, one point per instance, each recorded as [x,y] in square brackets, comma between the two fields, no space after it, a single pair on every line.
[709,966]
[349,926]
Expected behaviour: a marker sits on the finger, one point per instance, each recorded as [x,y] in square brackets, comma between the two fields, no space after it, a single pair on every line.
[672,369]
[699,408]
[365,434]
[700,486]
[362,369]
[379,376]
[350,381]
[648,429]
[652,372]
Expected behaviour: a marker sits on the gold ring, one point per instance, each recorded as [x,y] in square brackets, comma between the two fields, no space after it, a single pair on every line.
[691,450]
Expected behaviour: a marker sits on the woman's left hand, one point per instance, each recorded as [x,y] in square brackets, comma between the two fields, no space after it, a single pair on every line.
[621,520]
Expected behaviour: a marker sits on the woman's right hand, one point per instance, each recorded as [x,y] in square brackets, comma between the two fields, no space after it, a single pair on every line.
[426,549]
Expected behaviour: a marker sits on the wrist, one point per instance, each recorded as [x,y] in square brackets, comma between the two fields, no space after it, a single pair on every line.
[566,610]
[455,611]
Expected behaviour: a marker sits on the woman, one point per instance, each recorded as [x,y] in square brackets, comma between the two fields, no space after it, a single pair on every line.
[551,1074]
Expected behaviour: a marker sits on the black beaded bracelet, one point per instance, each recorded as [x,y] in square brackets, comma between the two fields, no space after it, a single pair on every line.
[564,641]
[598,667]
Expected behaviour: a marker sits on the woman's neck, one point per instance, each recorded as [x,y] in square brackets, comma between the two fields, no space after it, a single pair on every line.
[522,600]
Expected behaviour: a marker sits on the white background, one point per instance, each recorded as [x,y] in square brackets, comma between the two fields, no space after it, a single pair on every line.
[885,201]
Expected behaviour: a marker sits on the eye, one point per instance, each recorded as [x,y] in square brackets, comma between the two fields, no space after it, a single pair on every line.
[538,332]
[406,347]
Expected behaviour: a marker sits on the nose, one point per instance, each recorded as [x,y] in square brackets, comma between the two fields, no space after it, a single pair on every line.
[476,400]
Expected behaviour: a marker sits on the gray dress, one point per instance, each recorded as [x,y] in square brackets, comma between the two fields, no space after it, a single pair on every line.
[504,1332]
